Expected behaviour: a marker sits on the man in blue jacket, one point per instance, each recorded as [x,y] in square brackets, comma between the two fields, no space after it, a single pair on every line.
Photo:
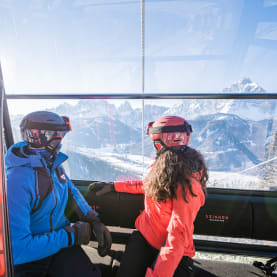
[44,243]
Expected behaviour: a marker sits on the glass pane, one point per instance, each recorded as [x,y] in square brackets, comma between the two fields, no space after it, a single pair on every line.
[238,138]
[106,138]
[204,46]
[70,46]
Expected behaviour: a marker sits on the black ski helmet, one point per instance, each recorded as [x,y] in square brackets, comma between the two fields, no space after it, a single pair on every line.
[44,129]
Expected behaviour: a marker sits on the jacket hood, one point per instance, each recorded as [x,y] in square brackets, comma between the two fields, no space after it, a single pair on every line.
[16,157]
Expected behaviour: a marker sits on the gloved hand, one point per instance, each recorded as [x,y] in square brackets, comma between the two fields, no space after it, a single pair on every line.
[81,231]
[101,187]
[101,233]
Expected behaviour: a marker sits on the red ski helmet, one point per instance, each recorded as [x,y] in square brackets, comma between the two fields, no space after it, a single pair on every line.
[44,129]
[169,131]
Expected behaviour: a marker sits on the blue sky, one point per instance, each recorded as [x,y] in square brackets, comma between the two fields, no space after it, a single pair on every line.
[90,46]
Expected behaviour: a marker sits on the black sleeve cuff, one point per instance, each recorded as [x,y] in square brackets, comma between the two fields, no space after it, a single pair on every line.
[69,230]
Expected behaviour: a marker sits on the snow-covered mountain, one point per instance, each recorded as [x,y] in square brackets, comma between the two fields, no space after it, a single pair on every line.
[244,85]
[228,142]
[188,108]
[246,108]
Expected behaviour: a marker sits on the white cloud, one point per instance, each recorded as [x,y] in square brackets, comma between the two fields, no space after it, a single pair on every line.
[267,30]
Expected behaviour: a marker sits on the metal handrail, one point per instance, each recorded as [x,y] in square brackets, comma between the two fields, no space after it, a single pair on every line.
[212,246]
[145,96]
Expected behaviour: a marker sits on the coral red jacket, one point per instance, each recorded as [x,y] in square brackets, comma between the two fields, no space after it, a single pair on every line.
[170,222]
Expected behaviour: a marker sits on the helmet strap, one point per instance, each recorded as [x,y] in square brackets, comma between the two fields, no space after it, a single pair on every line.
[162,149]
[53,146]
[180,148]
[177,149]
[159,142]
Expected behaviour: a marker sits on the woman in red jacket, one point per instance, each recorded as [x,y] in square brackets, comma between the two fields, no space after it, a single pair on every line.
[162,244]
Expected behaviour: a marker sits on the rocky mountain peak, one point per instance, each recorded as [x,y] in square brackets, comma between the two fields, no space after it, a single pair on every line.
[244,85]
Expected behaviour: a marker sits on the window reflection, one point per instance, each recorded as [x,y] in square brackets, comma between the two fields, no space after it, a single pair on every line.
[201,46]
[70,46]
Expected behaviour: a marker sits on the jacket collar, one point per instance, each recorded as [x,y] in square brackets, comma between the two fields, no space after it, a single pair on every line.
[18,156]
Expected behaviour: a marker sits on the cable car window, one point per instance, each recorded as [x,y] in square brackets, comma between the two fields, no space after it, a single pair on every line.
[204,46]
[106,137]
[70,46]
[152,47]
[238,139]
[107,141]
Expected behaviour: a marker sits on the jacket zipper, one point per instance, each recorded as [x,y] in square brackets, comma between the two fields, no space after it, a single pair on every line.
[51,214]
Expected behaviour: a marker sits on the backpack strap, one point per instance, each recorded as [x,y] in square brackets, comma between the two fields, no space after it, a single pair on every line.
[72,211]
[43,186]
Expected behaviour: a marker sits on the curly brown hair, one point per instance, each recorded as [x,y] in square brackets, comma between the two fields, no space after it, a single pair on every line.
[174,166]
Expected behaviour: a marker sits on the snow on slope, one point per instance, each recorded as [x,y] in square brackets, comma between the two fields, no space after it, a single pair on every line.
[235,181]
[134,165]
[129,162]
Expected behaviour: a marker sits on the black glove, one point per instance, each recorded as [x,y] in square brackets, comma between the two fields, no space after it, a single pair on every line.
[81,231]
[101,233]
[101,187]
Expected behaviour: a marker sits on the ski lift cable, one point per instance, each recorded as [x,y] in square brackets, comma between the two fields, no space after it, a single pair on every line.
[257,165]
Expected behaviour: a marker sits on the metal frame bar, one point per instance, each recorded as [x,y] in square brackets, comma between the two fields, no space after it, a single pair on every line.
[5,212]
[235,248]
[7,125]
[83,184]
[217,246]
[146,96]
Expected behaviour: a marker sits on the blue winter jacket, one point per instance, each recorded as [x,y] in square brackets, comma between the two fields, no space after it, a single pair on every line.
[37,227]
